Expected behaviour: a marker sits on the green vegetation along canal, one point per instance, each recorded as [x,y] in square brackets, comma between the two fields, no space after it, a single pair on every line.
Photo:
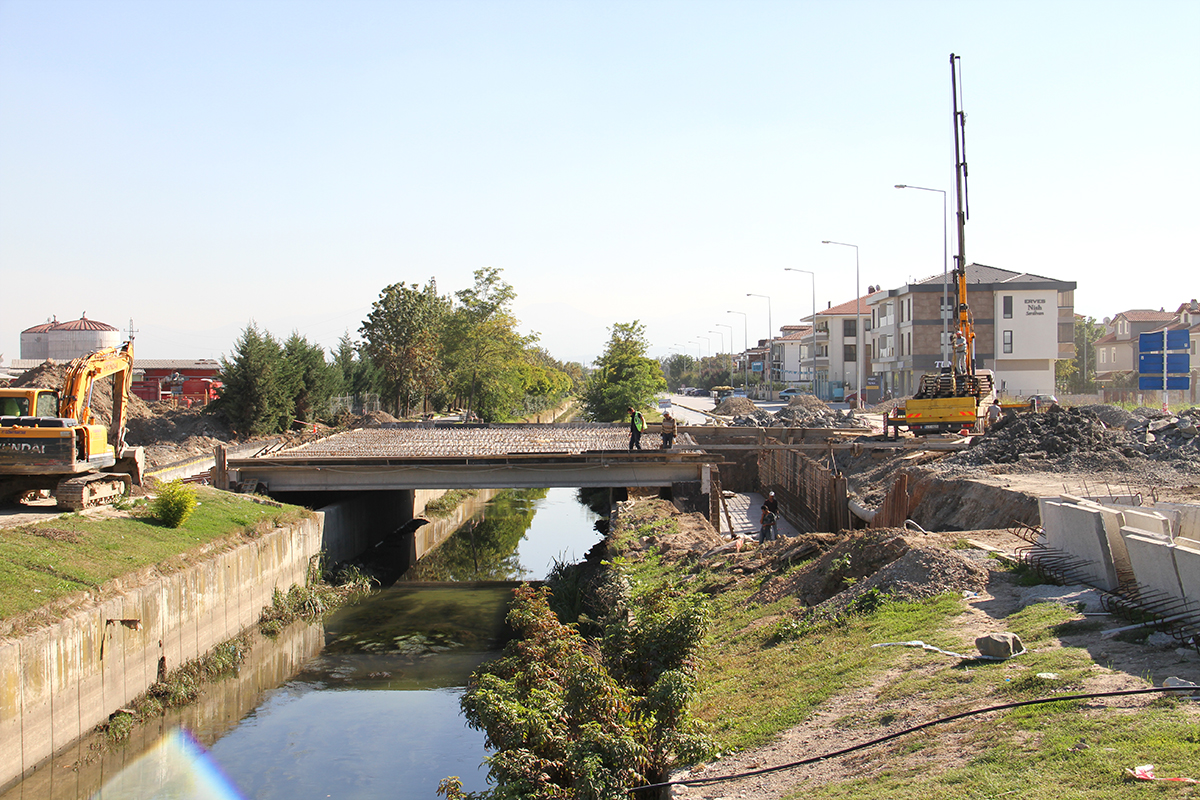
[373,710]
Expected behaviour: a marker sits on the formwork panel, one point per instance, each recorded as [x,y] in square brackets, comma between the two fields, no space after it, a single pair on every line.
[1083,536]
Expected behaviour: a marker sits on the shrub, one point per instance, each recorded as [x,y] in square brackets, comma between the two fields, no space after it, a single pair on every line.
[175,503]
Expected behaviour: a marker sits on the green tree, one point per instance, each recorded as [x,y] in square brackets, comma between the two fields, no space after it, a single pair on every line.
[254,396]
[1082,379]
[624,376]
[309,379]
[402,339]
[678,369]
[482,351]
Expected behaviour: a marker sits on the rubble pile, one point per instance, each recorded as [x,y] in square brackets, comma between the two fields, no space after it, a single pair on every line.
[1165,435]
[797,416]
[1108,436]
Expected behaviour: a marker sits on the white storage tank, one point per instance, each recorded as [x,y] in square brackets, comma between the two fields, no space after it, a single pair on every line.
[81,336]
[35,341]
[63,341]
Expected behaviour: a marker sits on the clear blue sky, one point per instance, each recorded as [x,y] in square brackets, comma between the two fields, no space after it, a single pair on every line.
[197,165]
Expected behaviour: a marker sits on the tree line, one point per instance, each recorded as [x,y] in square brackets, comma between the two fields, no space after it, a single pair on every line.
[419,351]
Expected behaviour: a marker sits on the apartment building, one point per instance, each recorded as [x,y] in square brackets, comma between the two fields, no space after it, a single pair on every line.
[1117,349]
[1023,324]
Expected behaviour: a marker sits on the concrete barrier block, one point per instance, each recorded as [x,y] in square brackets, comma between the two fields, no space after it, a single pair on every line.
[1113,520]
[37,684]
[1187,568]
[11,760]
[1188,515]
[1153,563]
[1149,523]
[1083,537]
[64,689]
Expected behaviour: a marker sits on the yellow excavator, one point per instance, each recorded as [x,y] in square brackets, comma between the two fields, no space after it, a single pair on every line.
[953,398]
[51,441]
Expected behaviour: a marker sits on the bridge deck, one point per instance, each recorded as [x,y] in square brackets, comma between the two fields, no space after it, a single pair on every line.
[456,441]
[494,456]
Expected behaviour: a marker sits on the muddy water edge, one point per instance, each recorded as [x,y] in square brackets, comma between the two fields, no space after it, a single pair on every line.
[364,703]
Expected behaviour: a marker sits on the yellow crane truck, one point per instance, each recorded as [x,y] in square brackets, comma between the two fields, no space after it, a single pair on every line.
[954,397]
[51,441]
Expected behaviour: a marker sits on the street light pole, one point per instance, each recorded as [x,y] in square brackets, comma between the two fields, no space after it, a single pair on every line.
[707,342]
[945,271]
[722,335]
[745,349]
[723,325]
[693,341]
[858,337]
[770,346]
[813,376]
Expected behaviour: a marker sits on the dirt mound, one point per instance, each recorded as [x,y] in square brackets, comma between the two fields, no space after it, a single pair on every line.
[887,406]
[374,419]
[732,406]
[172,434]
[809,403]
[50,375]
[885,560]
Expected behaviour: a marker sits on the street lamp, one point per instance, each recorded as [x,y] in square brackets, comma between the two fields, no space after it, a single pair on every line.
[813,377]
[770,346]
[945,272]
[693,341]
[858,349]
[723,325]
[707,342]
[745,348]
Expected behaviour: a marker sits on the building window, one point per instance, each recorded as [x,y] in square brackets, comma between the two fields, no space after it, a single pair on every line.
[849,352]
[1008,341]
[1008,306]
[1112,355]
[909,349]
[849,327]
[1103,360]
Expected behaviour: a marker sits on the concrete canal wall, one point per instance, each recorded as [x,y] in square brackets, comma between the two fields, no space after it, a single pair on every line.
[58,682]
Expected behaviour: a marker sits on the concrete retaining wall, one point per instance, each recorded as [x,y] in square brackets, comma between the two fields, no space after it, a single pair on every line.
[59,682]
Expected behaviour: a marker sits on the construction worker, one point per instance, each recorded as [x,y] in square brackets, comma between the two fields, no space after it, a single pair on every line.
[637,424]
[668,430]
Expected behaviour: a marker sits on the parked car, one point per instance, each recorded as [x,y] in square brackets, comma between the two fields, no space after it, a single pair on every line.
[787,394]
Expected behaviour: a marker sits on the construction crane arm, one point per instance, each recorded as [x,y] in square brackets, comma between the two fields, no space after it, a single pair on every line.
[83,372]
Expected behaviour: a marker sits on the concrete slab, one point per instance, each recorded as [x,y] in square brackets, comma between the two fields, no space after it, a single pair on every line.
[1082,536]
[36,730]
[1187,568]
[1153,564]
[64,683]
[744,509]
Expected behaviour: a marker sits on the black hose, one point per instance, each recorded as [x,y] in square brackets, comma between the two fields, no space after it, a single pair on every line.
[897,734]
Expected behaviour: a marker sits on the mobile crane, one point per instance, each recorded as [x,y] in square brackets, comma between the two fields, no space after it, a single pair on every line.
[952,398]
[50,440]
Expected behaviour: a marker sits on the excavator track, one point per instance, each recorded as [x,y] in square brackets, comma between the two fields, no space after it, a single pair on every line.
[89,491]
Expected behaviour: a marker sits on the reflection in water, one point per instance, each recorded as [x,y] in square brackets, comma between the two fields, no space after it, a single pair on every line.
[517,536]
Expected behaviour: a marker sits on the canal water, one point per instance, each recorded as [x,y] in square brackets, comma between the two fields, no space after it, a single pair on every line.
[366,705]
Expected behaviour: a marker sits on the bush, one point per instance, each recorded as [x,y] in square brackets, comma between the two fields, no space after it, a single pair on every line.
[175,503]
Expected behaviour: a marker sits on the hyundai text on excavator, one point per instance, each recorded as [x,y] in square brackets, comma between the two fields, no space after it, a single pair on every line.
[50,440]
[953,398]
